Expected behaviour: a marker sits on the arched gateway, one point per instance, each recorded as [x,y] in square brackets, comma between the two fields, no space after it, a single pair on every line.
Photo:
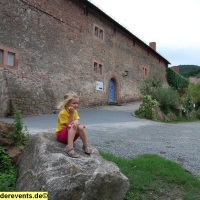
[113,89]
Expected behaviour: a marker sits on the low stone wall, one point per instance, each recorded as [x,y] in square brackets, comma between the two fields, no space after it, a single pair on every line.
[4,95]
[194,80]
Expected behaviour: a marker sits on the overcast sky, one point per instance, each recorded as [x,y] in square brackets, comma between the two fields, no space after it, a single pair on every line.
[173,24]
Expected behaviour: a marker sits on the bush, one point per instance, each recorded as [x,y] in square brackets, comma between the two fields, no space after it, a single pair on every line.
[175,80]
[194,89]
[182,92]
[8,174]
[150,83]
[147,108]
[188,104]
[167,97]
[198,113]
[19,134]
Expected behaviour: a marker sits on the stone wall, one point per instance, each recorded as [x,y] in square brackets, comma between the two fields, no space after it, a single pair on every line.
[194,80]
[57,49]
[4,96]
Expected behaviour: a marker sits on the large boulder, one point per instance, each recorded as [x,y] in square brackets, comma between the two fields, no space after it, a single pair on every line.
[44,166]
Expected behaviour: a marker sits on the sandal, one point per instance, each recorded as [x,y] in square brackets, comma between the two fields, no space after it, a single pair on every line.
[71,154]
[86,148]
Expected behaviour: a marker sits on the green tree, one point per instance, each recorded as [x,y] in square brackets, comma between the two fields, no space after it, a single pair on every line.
[188,104]
[20,134]
[150,83]
[194,90]
[168,98]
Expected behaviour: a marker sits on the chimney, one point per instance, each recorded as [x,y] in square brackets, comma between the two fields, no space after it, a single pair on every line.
[153,45]
[175,69]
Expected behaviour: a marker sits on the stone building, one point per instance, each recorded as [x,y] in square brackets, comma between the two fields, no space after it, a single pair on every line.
[48,48]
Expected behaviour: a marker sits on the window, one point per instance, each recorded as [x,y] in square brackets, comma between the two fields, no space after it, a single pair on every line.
[97,68]
[10,59]
[85,10]
[145,72]
[98,32]
[1,56]
[101,34]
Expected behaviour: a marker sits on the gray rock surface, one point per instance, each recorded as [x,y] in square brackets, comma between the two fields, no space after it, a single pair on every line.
[44,166]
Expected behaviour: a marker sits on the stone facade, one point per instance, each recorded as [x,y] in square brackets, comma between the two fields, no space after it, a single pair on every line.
[194,79]
[69,45]
[4,96]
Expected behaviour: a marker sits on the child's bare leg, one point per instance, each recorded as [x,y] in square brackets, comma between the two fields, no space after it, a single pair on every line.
[70,145]
[71,135]
[83,137]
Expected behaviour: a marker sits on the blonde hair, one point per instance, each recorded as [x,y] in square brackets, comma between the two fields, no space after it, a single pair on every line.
[67,98]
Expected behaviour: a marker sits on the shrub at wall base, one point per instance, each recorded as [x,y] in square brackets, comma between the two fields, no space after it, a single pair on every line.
[147,108]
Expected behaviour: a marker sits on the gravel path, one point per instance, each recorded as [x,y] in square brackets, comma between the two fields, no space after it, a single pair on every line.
[115,130]
[176,142]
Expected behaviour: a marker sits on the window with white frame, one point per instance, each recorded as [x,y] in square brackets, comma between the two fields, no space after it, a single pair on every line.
[10,59]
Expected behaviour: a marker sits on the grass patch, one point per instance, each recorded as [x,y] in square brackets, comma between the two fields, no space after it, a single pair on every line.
[153,177]
[8,173]
[179,119]
[182,120]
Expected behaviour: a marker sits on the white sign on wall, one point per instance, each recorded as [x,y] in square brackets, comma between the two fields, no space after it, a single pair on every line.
[99,86]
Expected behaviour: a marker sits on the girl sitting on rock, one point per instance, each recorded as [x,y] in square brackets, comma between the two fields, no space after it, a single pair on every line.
[68,127]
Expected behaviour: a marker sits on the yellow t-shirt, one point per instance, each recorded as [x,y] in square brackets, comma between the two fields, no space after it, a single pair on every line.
[63,118]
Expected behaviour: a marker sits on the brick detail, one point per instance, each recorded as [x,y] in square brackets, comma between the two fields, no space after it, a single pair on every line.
[175,69]
[153,45]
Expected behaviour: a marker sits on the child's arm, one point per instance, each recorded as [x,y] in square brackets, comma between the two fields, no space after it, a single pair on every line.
[71,115]
[72,122]
[71,119]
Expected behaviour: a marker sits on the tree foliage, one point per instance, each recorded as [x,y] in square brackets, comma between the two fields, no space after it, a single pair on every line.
[194,90]
[20,134]
[187,68]
[147,108]
[188,104]
[167,97]
[150,83]
[175,80]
